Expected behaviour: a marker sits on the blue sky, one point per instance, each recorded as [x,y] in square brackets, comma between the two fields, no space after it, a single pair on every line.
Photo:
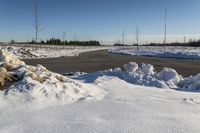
[101,19]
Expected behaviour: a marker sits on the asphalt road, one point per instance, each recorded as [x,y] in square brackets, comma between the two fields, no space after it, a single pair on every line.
[101,60]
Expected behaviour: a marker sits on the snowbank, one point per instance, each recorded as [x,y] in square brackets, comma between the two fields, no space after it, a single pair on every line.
[170,76]
[125,108]
[158,52]
[131,67]
[49,52]
[190,83]
[167,78]
[9,61]
[40,85]
[145,75]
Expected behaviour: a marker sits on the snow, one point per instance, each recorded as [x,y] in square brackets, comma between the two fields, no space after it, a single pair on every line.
[50,52]
[37,84]
[131,67]
[112,101]
[172,52]
[170,76]
[145,75]
[127,108]
[148,69]
[190,83]
[9,61]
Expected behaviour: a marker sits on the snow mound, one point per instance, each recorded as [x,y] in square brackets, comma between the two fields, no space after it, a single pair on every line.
[190,83]
[167,78]
[39,84]
[148,69]
[144,75]
[21,52]
[49,51]
[9,61]
[170,76]
[131,67]
[158,52]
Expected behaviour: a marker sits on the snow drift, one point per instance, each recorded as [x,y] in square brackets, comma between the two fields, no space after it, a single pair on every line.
[49,52]
[167,78]
[159,53]
[36,83]
[190,83]
[145,75]
[126,107]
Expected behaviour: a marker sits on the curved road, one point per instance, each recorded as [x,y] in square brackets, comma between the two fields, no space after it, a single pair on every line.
[101,60]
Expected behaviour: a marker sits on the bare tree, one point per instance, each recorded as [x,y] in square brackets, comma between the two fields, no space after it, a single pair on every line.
[37,20]
[123,36]
[64,34]
[75,36]
[184,39]
[137,38]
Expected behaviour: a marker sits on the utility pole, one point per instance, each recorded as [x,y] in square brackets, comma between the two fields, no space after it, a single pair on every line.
[184,39]
[64,34]
[75,37]
[123,34]
[165,43]
[37,21]
[137,38]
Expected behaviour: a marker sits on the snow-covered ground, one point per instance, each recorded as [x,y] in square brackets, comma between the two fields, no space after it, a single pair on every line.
[40,51]
[50,52]
[171,52]
[112,101]
[127,108]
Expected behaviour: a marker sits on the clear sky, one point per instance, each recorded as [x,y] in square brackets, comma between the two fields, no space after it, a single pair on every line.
[101,19]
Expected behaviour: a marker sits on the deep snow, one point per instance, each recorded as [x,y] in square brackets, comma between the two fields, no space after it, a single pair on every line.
[127,108]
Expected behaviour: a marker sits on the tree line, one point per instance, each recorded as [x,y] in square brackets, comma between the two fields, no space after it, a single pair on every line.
[54,41]
[191,43]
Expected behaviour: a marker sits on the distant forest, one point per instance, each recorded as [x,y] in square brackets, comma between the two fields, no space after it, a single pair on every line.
[191,43]
[54,41]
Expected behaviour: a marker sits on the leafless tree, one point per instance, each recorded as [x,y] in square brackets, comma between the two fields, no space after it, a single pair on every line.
[184,39]
[75,36]
[137,38]
[37,20]
[123,36]
[64,34]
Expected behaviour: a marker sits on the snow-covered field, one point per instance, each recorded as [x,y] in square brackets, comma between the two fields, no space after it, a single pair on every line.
[60,51]
[171,52]
[51,51]
[113,101]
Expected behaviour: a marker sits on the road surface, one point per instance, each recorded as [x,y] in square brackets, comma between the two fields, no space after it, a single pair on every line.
[101,60]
